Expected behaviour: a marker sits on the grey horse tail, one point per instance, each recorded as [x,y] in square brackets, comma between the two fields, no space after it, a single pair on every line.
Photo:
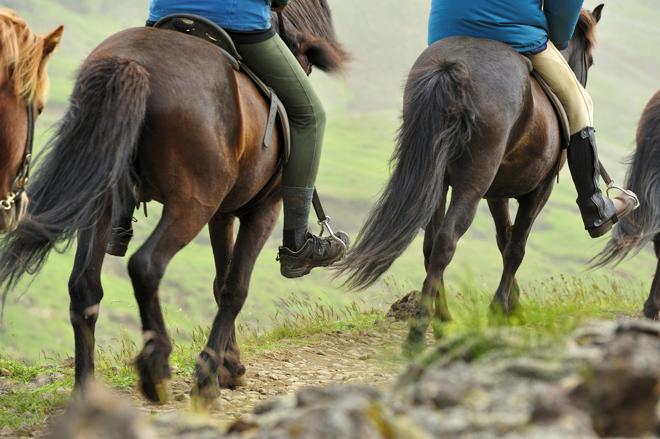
[636,230]
[88,164]
[439,119]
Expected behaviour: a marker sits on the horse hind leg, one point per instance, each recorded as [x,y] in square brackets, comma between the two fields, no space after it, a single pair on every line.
[506,300]
[652,305]
[179,224]
[221,356]
[86,292]
[499,209]
[459,216]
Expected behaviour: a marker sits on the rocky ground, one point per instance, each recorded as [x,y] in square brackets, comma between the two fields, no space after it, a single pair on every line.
[357,357]
[602,381]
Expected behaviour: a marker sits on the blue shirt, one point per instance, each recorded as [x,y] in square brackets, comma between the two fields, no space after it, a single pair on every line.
[526,25]
[237,15]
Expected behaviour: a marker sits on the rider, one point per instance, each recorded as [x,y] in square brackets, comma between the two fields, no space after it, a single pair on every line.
[263,51]
[537,29]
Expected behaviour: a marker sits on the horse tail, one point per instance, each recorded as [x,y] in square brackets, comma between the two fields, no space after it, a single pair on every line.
[439,119]
[636,230]
[87,166]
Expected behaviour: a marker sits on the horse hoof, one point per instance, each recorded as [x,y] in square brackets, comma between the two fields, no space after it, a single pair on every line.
[231,377]
[414,345]
[650,312]
[154,373]
[155,392]
[204,394]
[438,333]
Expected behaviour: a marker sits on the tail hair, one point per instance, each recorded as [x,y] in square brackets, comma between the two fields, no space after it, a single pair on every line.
[439,119]
[87,167]
[642,226]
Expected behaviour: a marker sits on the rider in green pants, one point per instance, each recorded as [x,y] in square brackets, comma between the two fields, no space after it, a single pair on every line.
[263,51]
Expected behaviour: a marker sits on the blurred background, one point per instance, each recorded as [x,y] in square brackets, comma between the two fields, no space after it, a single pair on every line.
[363,105]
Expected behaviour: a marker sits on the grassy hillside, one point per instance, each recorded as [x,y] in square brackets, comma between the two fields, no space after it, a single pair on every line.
[363,107]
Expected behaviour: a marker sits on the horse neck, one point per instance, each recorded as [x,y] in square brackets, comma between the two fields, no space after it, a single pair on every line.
[12,136]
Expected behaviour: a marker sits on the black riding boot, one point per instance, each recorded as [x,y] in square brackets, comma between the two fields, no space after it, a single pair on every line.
[301,251]
[598,211]
[122,233]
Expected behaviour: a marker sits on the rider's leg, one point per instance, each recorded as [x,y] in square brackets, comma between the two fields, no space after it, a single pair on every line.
[598,211]
[277,66]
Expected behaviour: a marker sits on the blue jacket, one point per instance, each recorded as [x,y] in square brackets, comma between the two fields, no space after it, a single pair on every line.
[237,15]
[526,25]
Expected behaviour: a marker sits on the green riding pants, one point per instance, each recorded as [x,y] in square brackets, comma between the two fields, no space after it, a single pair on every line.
[276,65]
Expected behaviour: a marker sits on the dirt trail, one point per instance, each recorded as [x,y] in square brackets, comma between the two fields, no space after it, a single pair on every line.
[369,357]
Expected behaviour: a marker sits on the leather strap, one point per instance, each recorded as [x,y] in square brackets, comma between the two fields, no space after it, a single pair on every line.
[318,207]
[272,118]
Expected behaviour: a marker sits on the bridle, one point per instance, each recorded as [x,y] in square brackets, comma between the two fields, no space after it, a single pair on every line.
[582,73]
[22,176]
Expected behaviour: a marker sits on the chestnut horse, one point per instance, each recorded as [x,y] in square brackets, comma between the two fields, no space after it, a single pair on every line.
[643,226]
[158,115]
[23,86]
[473,120]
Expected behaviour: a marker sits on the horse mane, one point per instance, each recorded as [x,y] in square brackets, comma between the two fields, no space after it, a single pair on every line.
[586,27]
[21,52]
[310,28]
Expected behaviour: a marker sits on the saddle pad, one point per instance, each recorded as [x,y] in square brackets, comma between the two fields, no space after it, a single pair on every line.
[205,29]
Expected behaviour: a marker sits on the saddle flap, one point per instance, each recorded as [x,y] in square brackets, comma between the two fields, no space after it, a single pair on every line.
[205,29]
[564,124]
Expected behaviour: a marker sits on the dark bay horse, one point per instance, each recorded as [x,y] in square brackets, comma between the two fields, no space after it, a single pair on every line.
[472,120]
[157,115]
[643,225]
[23,86]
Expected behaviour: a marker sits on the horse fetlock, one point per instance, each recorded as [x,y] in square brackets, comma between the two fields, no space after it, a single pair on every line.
[206,384]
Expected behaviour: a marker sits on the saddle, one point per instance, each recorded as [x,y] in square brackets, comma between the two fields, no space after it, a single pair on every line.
[207,30]
[562,116]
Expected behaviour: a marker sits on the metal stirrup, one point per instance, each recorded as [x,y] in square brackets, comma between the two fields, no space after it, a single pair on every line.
[324,220]
[611,185]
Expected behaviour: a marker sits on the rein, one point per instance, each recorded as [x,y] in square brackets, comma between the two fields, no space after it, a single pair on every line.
[22,177]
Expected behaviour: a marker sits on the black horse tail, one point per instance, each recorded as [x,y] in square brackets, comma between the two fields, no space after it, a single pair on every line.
[86,166]
[439,119]
[640,227]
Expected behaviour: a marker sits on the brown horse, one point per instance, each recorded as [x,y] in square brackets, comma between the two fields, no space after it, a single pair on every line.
[643,225]
[23,85]
[157,115]
[473,120]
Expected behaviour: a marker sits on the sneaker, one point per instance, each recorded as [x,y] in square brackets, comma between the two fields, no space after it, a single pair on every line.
[316,252]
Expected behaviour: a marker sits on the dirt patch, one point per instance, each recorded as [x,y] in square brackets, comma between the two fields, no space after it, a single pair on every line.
[368,357]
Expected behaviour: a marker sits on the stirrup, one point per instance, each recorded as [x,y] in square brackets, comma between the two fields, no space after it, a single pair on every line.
[325,226]
[613,186]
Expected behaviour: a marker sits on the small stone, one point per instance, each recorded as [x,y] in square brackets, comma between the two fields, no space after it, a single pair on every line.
[182,397]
